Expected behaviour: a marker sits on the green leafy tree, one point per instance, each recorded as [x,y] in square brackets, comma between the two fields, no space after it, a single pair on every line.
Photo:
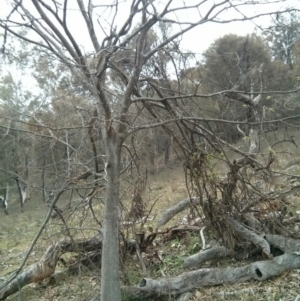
[245,62]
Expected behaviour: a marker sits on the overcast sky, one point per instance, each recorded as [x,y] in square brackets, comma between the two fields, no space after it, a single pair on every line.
[197,40]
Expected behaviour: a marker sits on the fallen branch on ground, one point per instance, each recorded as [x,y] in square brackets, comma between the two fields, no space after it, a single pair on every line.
[203,256]
[248,235]
[261,270]
[46,266]
[171,212]
[36,272]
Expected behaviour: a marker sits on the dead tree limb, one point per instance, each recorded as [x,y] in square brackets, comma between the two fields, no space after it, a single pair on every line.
[248,235]
[285,244]
[36,272]
[188,281]
[46,266]
[197,259]
[171,212]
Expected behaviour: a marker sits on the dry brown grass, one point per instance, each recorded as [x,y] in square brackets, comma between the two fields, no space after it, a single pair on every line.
[168,186]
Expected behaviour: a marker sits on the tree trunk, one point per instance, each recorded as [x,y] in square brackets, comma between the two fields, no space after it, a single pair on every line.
[22,192]
[44,179]
[110,279]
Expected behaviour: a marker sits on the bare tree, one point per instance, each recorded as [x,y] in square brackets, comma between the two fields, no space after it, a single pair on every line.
[49,25]
[4,200]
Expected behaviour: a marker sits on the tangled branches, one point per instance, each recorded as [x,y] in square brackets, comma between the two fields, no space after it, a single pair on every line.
[244,195]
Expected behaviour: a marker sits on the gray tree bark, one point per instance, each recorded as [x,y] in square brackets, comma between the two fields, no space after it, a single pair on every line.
[110,281]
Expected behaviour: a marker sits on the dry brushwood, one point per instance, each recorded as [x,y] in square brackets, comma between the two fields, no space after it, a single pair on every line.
[235,206]
[138,206]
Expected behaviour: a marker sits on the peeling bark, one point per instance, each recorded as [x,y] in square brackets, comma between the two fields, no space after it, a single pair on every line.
[46,266]
[36,272]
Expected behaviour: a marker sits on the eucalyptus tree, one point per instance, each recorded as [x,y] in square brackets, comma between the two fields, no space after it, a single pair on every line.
[66,114]
[91,39]
[283,36]
[16,146]
[226,60]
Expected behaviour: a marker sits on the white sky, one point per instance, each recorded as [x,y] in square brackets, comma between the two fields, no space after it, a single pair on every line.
[197,40]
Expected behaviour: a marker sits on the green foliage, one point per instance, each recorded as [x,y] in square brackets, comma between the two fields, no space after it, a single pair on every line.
[283,35]
[230,56]
[173,263]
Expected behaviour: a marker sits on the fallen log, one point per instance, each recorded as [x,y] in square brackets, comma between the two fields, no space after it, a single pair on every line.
[184,297]
[248,235]
[171,212]
[46,266]
[285,244]
[197,259]
[36,272]
[261,271]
